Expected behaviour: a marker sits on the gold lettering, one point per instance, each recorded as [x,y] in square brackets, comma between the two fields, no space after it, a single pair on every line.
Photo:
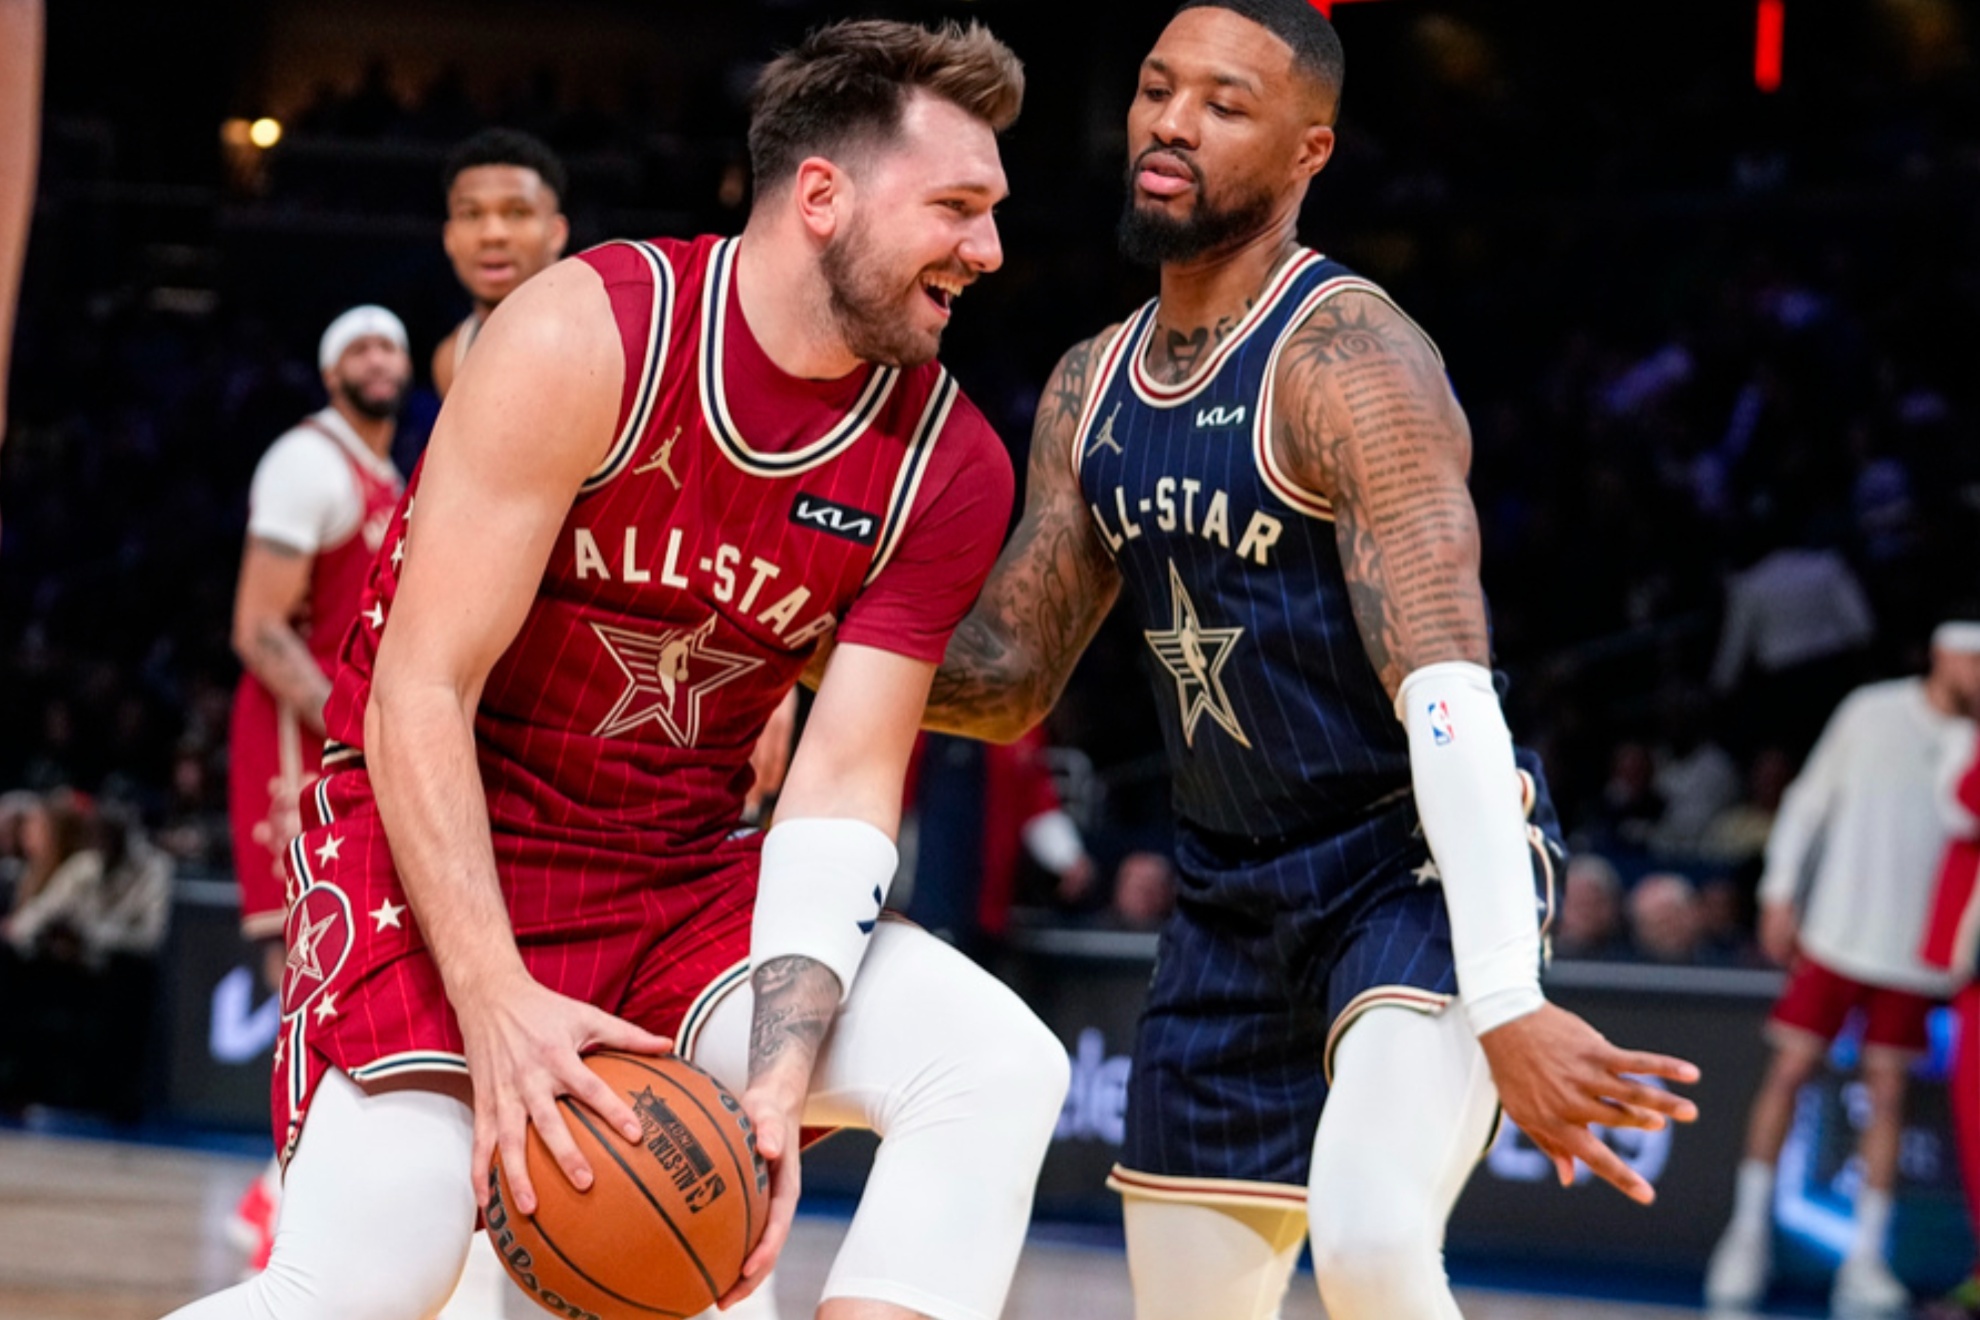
[726,559]
[1217,520]
[670,572]
[1259,537]
[630,569]
[1190,487]
[1165,500]
[765,570]
[1114,542]
[778,617]
[590,563]
[1130,529]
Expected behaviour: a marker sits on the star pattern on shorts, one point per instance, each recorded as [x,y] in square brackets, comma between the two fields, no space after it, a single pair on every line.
[375,616]
[386,914]
[328,852]
[278,1048]
[326,1007]
[1195,657]
[399,553]
[1428,872]
[667,676]
[303,959]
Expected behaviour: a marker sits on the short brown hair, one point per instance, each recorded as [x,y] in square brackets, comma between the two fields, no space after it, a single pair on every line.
[850,82]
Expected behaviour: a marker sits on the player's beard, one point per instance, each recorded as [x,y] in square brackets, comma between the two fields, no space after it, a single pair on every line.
[870,304]
[377,409]
[1150,237]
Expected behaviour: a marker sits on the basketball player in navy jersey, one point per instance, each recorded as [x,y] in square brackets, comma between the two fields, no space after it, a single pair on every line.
[1268,462]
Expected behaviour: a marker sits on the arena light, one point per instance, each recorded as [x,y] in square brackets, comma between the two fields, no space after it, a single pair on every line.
[1768,24]
[265,133]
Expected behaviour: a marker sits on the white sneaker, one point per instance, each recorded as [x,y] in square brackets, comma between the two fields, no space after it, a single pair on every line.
[1741,1262]
[1866,1287]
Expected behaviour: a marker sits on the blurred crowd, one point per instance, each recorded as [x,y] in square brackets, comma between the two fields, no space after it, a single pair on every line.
[1724,434]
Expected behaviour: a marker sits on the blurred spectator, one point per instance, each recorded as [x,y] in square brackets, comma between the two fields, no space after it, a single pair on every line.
[1630,807]
[58,864]
[1725,920]
[193,828]
[1799,620]
[1144,892]
[1737,836]
[1665,923]
[1591,923]
[1695,778]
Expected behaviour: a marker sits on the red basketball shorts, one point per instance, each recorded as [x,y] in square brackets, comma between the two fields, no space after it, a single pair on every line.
[268,752]
[644,931]
[1818,1001]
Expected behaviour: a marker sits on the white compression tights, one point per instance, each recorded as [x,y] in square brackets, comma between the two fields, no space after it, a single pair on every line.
[1410,1111]
[960,1080]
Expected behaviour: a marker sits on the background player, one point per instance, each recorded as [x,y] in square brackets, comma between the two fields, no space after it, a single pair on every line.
[318,507]
[1269,461]
[552,692]
[1863,816]
[505,222]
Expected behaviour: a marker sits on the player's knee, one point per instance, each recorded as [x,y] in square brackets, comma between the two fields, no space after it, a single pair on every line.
[1028,1070]
[1362,1259]
[374,1289]
[1010,1066]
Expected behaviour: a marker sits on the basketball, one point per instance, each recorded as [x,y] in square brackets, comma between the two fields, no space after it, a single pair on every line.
[668,1220]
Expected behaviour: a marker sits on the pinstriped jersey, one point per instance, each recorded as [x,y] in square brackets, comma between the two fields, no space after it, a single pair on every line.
[739,516]
[1275,720]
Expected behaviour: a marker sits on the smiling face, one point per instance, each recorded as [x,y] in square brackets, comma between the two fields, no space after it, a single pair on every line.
[917,230]
[1223,135]
[503,226]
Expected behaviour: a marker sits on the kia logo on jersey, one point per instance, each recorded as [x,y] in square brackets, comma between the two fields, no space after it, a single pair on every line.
[840,520]
[1221,416]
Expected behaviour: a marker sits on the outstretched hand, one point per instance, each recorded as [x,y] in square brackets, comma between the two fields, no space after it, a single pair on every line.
[1557,1076]
[523,1044]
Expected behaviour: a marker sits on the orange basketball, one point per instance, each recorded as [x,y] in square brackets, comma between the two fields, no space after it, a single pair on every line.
[668,1220]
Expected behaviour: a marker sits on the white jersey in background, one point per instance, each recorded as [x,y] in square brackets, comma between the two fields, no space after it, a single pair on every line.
[1865,813]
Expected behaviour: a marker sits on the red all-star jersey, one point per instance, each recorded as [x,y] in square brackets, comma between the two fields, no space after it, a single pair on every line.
[740,516]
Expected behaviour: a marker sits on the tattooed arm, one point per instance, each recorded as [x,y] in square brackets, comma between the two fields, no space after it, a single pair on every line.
[274,580]
[1048,593]
[1369,421]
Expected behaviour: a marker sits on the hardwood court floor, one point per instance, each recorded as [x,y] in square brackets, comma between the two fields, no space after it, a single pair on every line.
[93,1230]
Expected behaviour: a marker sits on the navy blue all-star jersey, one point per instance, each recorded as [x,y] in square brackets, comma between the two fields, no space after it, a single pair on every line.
[1307,893]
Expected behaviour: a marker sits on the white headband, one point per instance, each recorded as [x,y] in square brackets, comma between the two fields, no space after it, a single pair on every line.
[1961,637]
[370,319]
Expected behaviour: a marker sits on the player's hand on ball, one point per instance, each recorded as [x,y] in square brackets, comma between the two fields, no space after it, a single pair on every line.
[775,1116]
[522,1043]
[1557,1075]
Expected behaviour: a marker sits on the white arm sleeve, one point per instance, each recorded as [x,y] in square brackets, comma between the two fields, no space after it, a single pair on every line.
[303,496]
[819,893]
[1804,811]
[1468,798]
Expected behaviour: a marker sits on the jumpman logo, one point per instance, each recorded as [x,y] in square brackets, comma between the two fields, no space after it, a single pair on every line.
[1106,436]
[660,460]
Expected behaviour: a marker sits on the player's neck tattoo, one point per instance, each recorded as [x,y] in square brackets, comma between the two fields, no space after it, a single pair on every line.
[1173,354]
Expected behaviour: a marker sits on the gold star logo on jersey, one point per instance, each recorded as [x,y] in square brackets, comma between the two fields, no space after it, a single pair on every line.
[666,677]
[1195,658]
[1104,438]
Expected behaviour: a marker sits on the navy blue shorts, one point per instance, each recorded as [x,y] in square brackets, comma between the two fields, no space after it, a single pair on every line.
[1267,959]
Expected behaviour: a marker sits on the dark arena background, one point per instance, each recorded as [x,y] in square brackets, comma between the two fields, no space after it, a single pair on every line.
[1706,275]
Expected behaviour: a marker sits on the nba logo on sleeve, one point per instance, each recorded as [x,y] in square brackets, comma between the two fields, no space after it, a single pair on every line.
[1441,731]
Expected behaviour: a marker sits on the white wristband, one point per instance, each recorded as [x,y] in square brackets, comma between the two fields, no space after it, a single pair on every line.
[1053,841]
[1468,796]
[819,893]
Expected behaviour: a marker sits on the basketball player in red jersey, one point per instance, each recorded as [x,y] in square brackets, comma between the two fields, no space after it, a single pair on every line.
[321,500]
[668,471]
[505,222]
